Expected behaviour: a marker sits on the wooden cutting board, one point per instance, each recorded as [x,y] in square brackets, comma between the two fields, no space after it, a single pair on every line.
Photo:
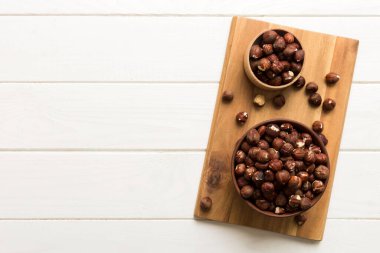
[324,53]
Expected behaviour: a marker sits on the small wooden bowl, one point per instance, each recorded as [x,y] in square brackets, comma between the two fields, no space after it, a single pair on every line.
[300,127]
[252,77]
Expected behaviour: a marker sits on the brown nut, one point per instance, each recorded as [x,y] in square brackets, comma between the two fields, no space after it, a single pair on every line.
[289,38]
[262,130]
[286,65]
[311,87]
[282,177]
[300,219]
[306,186]
[311,178]
[275,165]
[315,99]
[249,162]
[242,117]
[290,165]
[270,74]
[300,165]
[294,183]
[321,172]
[289,51]
[245,146]
[309,195]
[294,200]
[300,82]
[253,136]
[317,126]
[262,204]
[263,144]
[253,152]
[318,186]
[240,156]
[267,187]
[259,100]
[295,67]
[240,169]
[299,55]
[309,157]
[286,149]
[287,76]
[272,58]
[286,127]
[307,139]
[328,104]
[273,154]
[248,173]
[261,166]
[279,210]
[257,194]
[332,78]
[279,101]
[268,176]
[262,156]
[324,139]
[246,191]
[279,44]
[277,143]
[241,181]
[256,52]
[264,64]
[303,175]
[298,153]
[281,200]
[227,96]
[206,203]
[258,178]
[272,130]
[277,67]
[268,49]
[320,158]
[269,37]
[277,81]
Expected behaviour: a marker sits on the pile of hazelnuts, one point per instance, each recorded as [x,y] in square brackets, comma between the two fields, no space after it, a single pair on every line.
[280,168]
[276,57]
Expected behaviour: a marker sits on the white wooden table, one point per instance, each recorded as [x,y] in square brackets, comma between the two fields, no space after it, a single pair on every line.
[105,111]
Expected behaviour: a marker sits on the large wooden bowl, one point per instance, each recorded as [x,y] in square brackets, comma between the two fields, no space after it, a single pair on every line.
[252,77]
[299,127]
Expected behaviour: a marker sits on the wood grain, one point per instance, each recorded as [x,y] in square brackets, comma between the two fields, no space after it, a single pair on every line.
[324,54]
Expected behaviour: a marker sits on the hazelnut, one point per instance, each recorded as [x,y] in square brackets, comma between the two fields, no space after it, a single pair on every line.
[290,165]
[299,55]
[283,134]
[261,75]
[246,191]
[300,82]
[245,146]
[240,169]
[272,207]
[263,144]
[298,153]
[321,158]
[309,157]
[315,99]
[264,64]
[294,200]
[303,175]
[275,165]
[257,194]
[261,166]
[248,173]
[311,87]
[286,149]
[269,37]
[206,203]
[270,74]
[272,130]
[262,130]
[267,187]
[300,165]
[258,178]
[253,136]
[296,45]
[277,81]
[300,219]
[241,181]
[318,186]
[259,100]
[262,156]
[249,162]
[311,178]
[310,169]
[273,154]
[324,139]
[307,139]
[321,172]
[289,38]
[286,65]
[294,183]
[262,204]
[295,67]
[286,127]
[277,143]
[277,67]
[287,76]
[279,44]
[256,52]
[279,101]
[242,117]
[300,144]
[282,177]
[268,176]
[305,203]
[279,210]
[332,78]
[317,126]
[227,96]
[281,200]
[239,156]
[328,104]
[253,152]
[268,49]
[315,148]
[272,58]
[289,51]
[309,195]
[306,186]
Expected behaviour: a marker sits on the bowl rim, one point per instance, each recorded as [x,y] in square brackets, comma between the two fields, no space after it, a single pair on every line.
[251,75]
[297,125]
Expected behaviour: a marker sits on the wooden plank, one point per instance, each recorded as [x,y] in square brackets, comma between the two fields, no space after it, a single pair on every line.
[101,49]
[348,236]
[323,52]
[82,116]
[187,7]
[135,185]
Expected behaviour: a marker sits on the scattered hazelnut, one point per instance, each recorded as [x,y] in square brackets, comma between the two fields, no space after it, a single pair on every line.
[328,104]
[279,101]
[240,169]
[206,203]
[321,172]
[227,96]
[311,87]
[300,82]
[259,100]
[300,219]
[242,117]
[317,126]
[269,37]
[256,52]
[315,99]
[332,78]
[246,191]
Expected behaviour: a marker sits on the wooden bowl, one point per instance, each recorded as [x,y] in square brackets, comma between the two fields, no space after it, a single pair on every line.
[300,127]
[252,77]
